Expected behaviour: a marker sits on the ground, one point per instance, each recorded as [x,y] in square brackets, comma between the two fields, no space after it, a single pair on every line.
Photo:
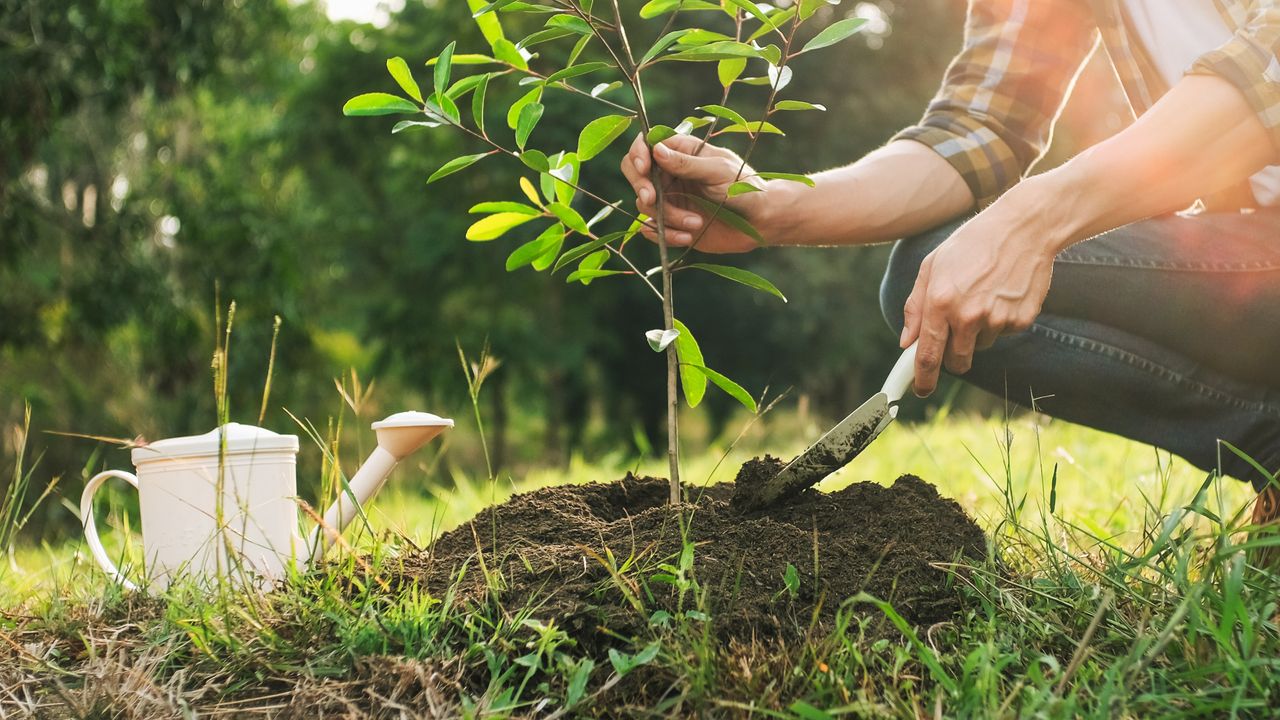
[1116,587]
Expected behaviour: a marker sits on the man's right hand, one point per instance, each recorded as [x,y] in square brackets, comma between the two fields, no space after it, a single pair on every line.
[707,174]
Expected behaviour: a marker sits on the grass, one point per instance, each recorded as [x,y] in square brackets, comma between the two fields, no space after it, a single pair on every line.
[1118,587]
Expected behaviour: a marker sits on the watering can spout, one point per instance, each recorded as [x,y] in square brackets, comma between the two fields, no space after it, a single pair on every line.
[399,436]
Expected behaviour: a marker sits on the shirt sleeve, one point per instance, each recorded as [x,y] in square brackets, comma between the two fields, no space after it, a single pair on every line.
[994,113]
[1248,61]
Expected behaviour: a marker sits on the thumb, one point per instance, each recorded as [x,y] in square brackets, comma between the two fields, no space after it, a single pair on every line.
[692,167]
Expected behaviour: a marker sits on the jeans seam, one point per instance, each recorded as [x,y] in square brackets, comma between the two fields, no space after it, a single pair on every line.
[1149,264]
[1137,361]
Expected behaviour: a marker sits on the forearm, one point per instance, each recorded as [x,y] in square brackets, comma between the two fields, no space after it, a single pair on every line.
[1199,139]
[899,190]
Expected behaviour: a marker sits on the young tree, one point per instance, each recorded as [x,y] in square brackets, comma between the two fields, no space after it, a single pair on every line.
[763,37]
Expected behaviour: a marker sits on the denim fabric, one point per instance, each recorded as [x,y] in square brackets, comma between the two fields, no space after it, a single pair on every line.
[1166,331]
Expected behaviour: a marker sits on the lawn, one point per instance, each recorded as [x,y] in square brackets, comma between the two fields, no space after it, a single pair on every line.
[1120,589]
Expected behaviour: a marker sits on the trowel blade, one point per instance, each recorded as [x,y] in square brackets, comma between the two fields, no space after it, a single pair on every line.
[832,451]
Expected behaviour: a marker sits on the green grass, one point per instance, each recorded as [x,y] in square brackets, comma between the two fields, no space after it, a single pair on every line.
[1132,598]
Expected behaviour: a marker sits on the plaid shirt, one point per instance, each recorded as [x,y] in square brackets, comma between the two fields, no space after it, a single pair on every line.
[993,115]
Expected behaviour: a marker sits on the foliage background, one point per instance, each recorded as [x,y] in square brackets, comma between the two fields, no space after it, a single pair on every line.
[160,159]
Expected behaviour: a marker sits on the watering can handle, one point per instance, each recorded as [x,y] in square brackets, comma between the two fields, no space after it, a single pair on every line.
[91,530]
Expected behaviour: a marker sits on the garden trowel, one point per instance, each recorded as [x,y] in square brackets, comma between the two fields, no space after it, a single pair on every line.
[843,442]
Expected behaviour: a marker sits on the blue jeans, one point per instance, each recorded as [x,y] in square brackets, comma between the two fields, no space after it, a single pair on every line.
[1166,331]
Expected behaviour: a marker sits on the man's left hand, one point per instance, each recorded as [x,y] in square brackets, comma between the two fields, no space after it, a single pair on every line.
[988,279]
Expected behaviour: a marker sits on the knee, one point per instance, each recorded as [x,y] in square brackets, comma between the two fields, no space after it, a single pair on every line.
[904,266]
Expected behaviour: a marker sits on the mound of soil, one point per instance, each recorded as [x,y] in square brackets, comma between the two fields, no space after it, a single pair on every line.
[548,547]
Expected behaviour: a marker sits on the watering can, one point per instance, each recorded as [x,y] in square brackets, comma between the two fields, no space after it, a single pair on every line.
[224,504]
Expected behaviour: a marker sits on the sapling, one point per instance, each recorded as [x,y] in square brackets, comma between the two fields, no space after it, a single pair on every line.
[751,36]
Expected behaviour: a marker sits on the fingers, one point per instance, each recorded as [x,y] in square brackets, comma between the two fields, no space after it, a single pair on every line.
[674,238]
[934,333]
[690,145]
[913,310]
[960,347]
[699,168]
[635,168]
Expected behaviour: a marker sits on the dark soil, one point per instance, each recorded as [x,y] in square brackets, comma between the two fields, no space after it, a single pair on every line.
[548,547]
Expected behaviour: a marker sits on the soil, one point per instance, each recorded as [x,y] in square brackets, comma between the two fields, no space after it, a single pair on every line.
[550,548]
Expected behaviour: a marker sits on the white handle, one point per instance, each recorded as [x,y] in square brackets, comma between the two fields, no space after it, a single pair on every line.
[902,374]
[91,530]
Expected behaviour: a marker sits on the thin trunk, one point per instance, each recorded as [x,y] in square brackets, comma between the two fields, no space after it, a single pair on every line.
[673,360]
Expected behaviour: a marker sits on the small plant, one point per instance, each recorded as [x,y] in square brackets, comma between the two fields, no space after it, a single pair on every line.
[756,36]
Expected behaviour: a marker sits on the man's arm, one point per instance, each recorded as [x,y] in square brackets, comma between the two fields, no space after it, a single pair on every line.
[899,190]
[991,276]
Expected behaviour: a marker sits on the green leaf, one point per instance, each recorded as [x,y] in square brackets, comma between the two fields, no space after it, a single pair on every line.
[739,275]
[513,112]
[454,165]
[550,238]
[569,217]
[658,133]
[494,226]
[741,187]
[491,7]
[663,43]
[776,21]
[569,22]
[576,70]
[692,380]
[506,51]
[585,249]
[487,22]
[797,105]
[535,160]
[727,50]
[447,107]
[467,59]
[834,33]
[477,102]
[730,70]
[497,207]
[654,8]
[444,65]
[731,388]
[792,177]
[751,8]
[723,112]
[399,70]
[542,36]
[698,37]
[586,276]
[645,656]
[728,217]
[753,128]
[529,116]
[465,85]
[578,47]
[598,133]
[378,104]
[406,124]
[520,6]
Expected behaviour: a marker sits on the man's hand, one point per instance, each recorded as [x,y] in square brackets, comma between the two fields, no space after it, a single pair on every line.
[988,279]
[707,174]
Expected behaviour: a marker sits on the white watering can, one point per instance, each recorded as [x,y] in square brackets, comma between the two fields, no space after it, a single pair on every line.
[250,528]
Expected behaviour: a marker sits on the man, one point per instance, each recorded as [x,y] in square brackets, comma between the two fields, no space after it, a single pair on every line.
[1079,284]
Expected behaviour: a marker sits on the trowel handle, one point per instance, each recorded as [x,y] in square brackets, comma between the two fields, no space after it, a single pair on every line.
[902,374]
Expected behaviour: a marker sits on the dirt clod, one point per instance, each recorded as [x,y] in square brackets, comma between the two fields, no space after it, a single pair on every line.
[588,556]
